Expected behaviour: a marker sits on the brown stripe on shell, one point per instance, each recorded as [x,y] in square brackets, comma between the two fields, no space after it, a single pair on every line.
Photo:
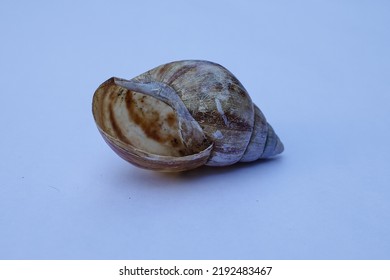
[98,102]
[151,124]
[181,71]
[162,71]
[116,128]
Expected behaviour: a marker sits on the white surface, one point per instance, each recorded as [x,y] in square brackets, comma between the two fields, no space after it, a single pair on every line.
[319,70]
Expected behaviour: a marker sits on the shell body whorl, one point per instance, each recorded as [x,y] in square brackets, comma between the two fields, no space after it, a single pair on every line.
[181,115]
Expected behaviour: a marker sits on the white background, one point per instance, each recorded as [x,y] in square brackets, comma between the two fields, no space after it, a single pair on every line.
[319,70]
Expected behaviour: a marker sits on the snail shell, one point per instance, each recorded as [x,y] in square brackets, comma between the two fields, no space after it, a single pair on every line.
[181,115]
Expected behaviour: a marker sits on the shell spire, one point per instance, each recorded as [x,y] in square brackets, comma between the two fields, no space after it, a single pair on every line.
[264,142]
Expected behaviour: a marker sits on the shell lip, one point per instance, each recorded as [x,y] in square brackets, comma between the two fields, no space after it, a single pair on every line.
[156,162]
[140,152]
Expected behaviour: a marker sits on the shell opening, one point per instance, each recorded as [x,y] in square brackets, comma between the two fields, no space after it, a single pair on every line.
[145,130]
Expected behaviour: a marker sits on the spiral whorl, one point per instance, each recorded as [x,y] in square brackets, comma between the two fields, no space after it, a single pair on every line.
[264,142]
